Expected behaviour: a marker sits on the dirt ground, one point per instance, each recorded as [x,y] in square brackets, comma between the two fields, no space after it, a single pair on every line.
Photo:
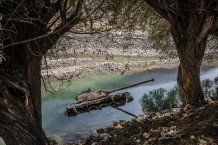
[187,126]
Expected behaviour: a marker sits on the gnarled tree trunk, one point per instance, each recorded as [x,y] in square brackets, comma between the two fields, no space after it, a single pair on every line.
[189,74]
[29,28]
[20,98]
[191,52]
[191,23]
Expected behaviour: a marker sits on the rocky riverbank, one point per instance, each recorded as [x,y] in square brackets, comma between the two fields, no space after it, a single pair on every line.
[100,53]
[90,66]
[196,126]
[71,67]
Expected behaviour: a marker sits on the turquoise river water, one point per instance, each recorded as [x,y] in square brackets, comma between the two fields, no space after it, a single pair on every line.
[65,128]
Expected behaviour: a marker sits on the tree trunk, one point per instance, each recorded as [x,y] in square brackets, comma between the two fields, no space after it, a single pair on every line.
[189,84]
[26,36]
[190,52]
[19,126]
[20,98]
[191,23]
[33,77]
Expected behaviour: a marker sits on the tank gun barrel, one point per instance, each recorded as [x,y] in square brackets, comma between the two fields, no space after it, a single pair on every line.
[129,86]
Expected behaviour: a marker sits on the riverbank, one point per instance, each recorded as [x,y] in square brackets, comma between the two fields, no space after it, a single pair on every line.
[176,126]
[84,55]
[89,64]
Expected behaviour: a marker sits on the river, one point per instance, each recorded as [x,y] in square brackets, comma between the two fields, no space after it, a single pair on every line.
[64,128]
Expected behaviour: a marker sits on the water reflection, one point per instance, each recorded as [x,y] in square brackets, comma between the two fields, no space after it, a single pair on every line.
[159,100]
[209,86]
[163,99]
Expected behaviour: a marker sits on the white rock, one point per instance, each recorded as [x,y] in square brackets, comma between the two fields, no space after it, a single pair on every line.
[173,127]
[215,124]
[192,137]
[139,119]
[146,135]
[138,141]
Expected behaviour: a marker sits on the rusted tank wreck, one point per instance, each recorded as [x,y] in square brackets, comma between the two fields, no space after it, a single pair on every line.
[94,100]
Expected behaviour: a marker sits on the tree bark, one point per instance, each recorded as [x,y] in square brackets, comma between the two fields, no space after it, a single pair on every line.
[191,53]
[20,98]
[189,85]
[19,126]
[26,37]
[33,77]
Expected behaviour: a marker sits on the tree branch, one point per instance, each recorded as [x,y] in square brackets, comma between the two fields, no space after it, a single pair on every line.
[158,7]
[60,30]
[50,9]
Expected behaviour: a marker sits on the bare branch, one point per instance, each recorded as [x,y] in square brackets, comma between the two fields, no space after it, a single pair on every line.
[12,14]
